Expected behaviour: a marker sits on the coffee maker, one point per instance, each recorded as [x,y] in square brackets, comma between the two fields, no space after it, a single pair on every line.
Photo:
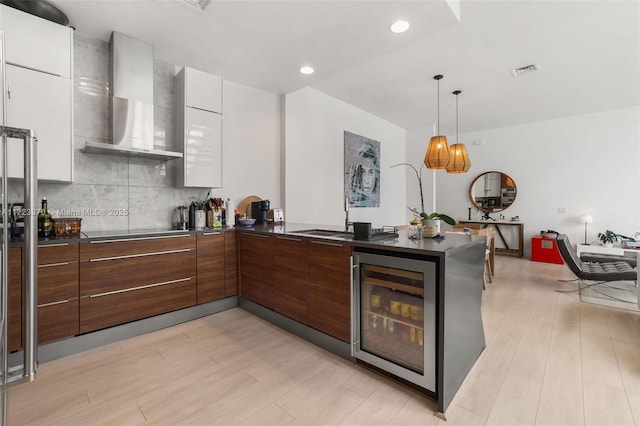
[259,211]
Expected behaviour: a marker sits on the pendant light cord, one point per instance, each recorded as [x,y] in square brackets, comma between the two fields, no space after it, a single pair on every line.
[457,92]
[438,130]
[437,78]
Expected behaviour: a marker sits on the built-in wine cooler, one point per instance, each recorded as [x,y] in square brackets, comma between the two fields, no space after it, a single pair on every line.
[395,316]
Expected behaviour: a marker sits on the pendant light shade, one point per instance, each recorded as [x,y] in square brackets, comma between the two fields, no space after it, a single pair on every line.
[437,156]
[460,162]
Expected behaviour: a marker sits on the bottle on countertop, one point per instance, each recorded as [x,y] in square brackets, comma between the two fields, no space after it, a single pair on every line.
[45,222]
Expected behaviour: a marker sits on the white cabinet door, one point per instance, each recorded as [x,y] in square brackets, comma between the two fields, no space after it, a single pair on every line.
[36,43]
[203,90]
[41,102]
[202,149]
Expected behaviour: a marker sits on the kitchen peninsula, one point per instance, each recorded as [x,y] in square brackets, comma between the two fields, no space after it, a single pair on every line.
[297,276]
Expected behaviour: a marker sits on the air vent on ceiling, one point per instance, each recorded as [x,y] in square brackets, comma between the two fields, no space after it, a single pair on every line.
[517,72]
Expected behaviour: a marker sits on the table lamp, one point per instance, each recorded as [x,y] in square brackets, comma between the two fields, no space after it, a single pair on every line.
[586,219]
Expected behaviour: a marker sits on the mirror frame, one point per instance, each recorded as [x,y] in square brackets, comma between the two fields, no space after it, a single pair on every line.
[491,210]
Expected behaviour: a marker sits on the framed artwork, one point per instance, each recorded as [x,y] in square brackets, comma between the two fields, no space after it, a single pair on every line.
[361,170]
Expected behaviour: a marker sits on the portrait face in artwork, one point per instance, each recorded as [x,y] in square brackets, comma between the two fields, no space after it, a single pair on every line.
[363,172]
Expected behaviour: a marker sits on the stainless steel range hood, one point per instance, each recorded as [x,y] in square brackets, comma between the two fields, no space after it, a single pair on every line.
[131,101]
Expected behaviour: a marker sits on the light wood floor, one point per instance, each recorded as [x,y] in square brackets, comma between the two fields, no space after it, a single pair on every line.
[549,360]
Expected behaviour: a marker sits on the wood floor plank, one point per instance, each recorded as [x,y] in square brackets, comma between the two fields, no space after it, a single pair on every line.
[561,400]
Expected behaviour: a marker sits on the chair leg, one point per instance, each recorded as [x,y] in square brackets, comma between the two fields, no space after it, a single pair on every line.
[488,270]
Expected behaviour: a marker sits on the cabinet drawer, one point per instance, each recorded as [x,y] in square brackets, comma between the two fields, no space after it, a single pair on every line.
[57,253]
[105,311]
[58,321]
[57,282]
[115,274]
[135,246]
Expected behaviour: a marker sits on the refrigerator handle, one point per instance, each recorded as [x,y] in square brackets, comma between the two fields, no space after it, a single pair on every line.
[30,305]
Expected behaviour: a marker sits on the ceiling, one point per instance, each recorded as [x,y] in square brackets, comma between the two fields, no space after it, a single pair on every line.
[588,52]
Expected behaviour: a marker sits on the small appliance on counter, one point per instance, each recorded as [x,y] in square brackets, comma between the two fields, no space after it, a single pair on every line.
[16,219]
[364,231]
[276,216]
[259,210]
[182,222]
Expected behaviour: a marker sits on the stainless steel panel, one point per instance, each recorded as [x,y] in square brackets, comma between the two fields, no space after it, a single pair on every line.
[132,67]
[132,123]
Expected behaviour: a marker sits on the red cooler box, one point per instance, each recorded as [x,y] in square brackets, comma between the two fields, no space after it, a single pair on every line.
[545,250]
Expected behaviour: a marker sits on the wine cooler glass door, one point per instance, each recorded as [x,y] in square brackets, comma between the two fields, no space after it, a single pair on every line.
[397,316]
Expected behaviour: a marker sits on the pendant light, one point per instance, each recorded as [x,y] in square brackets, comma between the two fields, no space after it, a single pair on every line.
[437,156]
[460,162]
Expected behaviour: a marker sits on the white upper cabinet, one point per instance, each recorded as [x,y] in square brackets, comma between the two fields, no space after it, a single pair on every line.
[39,91]
[199,128]
[202,149]
[40,102]
[202,90]
[36,43]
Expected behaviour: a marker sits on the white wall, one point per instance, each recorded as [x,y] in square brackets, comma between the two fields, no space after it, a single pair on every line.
[588,164]
[251,144]
[314,161]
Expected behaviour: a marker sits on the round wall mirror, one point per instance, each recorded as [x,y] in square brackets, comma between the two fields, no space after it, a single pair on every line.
[492,191]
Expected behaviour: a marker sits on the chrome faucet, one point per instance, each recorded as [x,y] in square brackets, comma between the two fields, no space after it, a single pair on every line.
[346,212]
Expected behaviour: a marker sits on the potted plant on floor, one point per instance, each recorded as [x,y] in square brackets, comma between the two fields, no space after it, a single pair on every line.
[430,221]
[607,238]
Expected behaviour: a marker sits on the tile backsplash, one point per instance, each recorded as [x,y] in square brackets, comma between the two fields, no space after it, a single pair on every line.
[111,192]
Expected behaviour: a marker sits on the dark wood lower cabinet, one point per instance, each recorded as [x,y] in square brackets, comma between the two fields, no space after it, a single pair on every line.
[58,292]
[290,278]
[256,268]
[231,279]
[153,276]
[210,267]
[329,288]
[58,321]
[111,309]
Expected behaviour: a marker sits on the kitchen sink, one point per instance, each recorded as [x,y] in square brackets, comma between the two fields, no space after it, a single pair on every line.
[325,233]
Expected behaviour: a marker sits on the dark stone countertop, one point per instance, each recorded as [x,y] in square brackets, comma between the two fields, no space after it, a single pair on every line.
[445,245]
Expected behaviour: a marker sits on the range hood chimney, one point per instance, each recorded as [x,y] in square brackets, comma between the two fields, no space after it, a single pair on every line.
[131,101]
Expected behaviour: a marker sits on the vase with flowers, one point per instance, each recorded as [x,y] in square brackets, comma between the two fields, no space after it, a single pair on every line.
[430,221]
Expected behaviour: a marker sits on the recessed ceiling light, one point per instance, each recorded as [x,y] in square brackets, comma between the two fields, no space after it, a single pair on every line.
[306,70]
[526,69]
[399,26]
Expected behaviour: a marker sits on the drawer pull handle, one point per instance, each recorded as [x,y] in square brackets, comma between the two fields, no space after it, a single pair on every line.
[54,245]
[289,239]
[211,233]
[47,265]
[137,239]
[129,256]
[327,244]
[140,287]
[60,302]
[256,235]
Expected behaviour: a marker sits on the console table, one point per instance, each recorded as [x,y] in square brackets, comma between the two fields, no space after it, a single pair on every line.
[498,224]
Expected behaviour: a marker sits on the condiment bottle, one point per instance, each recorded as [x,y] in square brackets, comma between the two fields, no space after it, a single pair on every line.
[45,223]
